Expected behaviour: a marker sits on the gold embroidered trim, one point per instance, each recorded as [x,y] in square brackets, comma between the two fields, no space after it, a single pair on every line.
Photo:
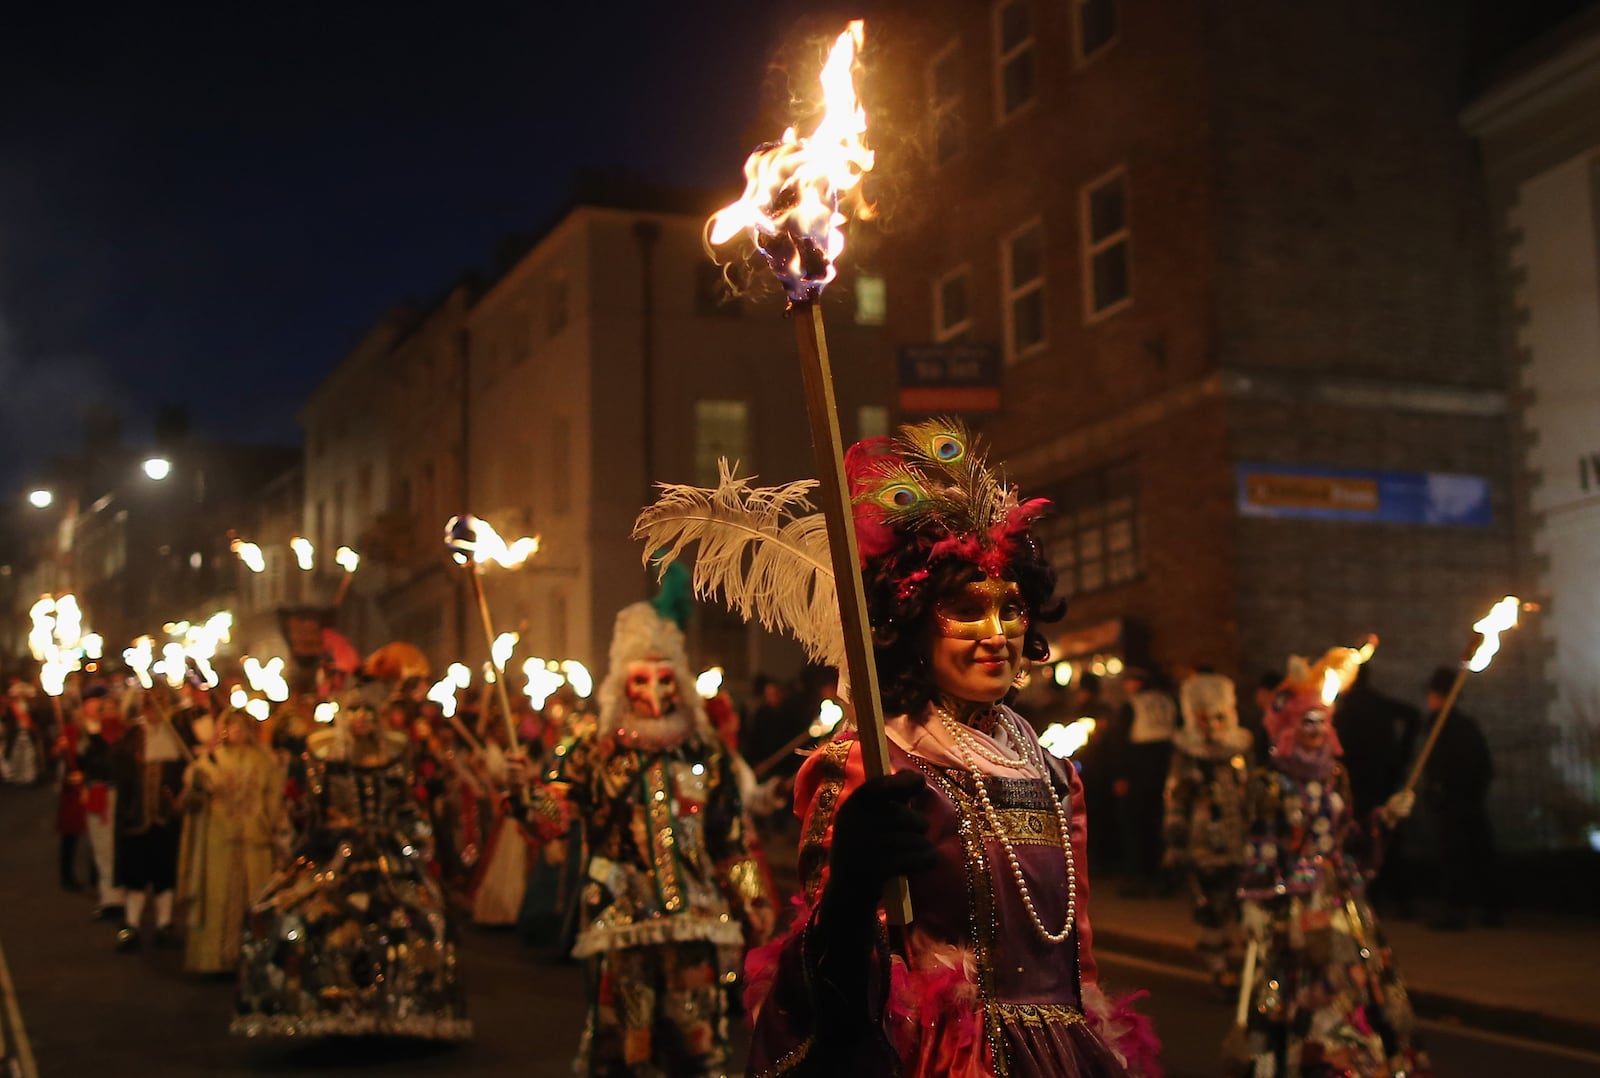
[813,854]
[1027,826]
[662,840]
[790,1061]
[1038,1015]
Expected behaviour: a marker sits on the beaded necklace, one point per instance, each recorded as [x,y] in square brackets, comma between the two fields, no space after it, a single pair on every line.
[962,740]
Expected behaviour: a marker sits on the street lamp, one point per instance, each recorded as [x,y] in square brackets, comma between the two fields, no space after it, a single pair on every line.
[40,499]
[158,468]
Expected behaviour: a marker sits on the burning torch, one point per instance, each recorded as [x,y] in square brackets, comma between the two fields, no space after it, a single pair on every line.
[795,193]
[1501,616]
[473,542]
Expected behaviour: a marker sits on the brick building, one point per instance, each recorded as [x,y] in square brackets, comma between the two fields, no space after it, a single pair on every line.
[1233,265]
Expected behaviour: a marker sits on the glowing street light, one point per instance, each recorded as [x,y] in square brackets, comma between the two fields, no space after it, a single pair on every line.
[157,468]
[41,498]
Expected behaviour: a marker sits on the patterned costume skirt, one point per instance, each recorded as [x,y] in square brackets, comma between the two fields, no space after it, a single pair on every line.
[351,939]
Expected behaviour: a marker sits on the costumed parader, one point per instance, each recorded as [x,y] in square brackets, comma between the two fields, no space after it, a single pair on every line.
[1322,996]
[102,729]
[1205,816]
[147,765]
[996,974]
[354,938]
[669,887]
[234,797]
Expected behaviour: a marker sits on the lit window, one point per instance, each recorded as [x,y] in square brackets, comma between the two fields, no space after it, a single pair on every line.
[872,421]
[1105,245]
[872,300]
[1015,79]
[721,430]
[1097,27]
[1022,265]
[944,102]
[952,305]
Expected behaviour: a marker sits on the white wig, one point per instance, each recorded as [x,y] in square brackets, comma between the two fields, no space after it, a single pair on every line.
[641,633]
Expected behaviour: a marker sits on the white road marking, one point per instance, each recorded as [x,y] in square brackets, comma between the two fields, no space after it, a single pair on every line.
[24,1050]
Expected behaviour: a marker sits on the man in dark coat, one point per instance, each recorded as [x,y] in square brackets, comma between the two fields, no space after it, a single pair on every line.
[1455,785]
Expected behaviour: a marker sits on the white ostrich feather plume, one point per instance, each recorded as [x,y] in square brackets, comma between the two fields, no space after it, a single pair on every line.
[762,551]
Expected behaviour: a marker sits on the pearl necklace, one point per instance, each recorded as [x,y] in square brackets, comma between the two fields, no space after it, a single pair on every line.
[965,739]
[1005,843]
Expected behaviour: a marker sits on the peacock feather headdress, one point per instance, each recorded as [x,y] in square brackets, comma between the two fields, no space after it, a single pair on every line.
[924,495]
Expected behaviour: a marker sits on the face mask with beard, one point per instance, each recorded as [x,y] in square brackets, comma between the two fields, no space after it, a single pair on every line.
[654,718]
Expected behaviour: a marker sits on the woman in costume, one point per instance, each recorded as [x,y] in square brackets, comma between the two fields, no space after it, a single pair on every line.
[1205,816]
[996,974]
[353,938]
[1325,1000]
[235,797]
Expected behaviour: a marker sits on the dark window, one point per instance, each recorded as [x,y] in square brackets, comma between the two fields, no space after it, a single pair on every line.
[1093,536]
[1107,271]
[944,103]
[952,305]
[1097,26]
[1014,56]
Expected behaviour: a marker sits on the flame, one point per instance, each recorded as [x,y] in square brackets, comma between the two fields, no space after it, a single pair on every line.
[347,559]
[250,554]
[1331,686]
[794,187]
[174,663]
[325,711]
[829,715]
[93,645]
[304,553]
[258,709]
[266,677]
[138,659]
[543,679]
[472,539]
[709,682]
[238,698]
[69,622]
[459,674]
[578,677]
[443,693]
[500,651]
[1501,616]
[1061,740]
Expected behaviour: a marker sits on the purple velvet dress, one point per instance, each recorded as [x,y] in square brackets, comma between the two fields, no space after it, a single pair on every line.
[971,987]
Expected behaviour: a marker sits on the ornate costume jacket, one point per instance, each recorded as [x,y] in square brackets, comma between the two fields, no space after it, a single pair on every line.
[665,833]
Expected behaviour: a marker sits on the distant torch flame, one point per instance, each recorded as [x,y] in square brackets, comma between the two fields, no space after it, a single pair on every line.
[709,682]
[829,715]
[138,657]
[347,559]
[795,187]
[1331,685]
[472,539]
[1061,740]
[500,651]
[443,693]
[542,681]
[578,677]
[1502,616]
[325,711]
[250,554]
[304,553]
[460,675]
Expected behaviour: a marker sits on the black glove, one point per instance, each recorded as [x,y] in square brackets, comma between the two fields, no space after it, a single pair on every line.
[877,835]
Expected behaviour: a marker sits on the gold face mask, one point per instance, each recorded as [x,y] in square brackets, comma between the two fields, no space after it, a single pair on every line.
[982,610]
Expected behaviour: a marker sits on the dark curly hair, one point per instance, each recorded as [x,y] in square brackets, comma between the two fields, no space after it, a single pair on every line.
[903,626]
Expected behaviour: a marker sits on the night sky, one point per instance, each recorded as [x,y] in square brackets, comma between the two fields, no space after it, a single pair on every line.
[212,205]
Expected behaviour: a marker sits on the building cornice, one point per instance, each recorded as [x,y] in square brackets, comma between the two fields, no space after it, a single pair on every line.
[1512,101]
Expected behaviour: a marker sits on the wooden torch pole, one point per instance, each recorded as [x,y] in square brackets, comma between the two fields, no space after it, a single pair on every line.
[1438,725]
[823,413]
[500,675]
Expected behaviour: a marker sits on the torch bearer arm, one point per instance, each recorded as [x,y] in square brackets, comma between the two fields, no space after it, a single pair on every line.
[834,495]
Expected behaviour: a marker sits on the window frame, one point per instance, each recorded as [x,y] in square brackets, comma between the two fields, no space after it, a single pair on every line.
[942,108]
[942,332]
[1002,58]
[1080,58]
[883,296]
[705,471]
[1010,293]
[1089,247]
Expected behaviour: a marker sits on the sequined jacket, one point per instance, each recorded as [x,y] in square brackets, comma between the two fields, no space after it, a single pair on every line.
[1207,787]
[1304,836]
[665,834]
